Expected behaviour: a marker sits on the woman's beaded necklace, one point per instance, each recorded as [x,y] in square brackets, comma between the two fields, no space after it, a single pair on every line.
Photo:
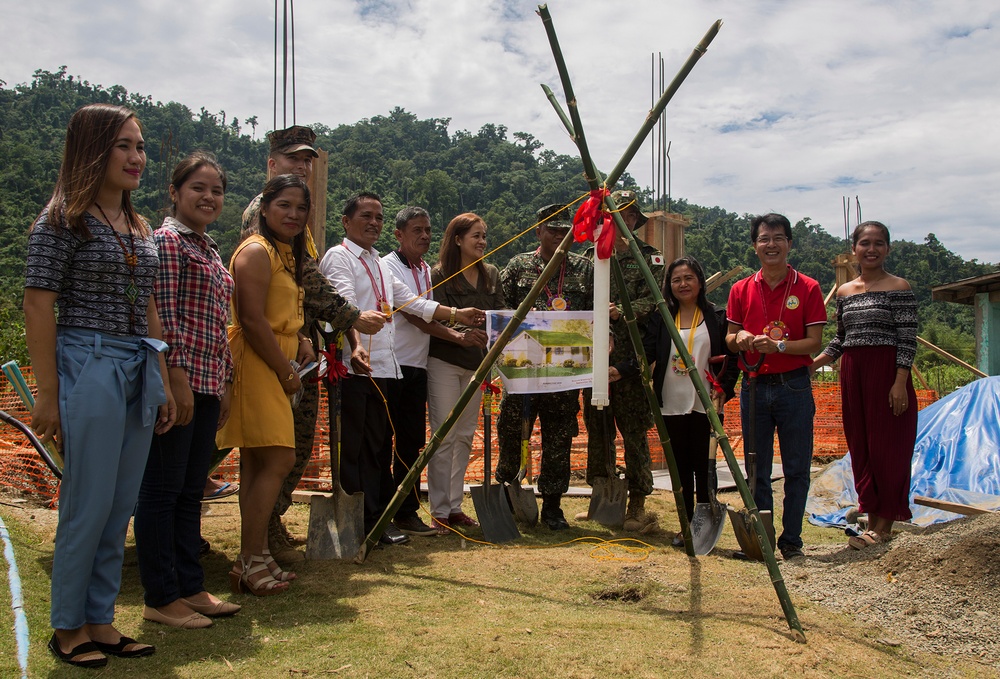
[131,261]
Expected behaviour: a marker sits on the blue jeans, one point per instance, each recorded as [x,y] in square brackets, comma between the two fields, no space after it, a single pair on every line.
[168,516]
[109,390]
[787,406]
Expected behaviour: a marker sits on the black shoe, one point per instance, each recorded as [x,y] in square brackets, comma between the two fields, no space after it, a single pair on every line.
[118,650]
[205,547]
[741,555]
[412,525]
[678,540]
[393,536]
[86,648]
[789,553]
[554,519]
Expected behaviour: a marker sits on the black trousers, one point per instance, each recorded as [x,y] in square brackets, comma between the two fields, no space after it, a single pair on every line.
[689,439]
[363,424]
[408,412]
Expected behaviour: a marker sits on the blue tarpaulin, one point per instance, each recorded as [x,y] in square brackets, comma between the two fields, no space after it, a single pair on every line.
[956,458]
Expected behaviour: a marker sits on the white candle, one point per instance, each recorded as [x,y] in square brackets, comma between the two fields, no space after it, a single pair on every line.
[602,301]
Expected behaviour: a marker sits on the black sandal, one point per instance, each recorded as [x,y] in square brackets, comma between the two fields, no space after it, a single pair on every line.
[85,648]
[118,650]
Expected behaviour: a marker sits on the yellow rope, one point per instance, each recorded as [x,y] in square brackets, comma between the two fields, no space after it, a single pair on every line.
[493,251]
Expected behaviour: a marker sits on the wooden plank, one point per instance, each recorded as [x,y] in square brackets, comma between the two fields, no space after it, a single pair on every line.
[955,507]
[954,359]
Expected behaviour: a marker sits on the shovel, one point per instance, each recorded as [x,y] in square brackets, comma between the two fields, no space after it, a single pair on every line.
[743,519]
[610,493]
[709,518]
[336,519]
[523,501]
[491,506]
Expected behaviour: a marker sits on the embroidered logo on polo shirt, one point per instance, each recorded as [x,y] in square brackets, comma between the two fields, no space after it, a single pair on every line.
[792,303]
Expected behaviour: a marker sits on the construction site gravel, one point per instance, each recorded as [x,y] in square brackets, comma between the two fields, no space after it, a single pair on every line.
[934,590]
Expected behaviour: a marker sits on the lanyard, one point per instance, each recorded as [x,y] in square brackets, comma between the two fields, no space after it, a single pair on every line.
[562,275]
[380,301]
[416,280]
[676,361]
[784,300]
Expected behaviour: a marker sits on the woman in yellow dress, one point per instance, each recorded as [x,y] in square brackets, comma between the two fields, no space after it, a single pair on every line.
[264,337]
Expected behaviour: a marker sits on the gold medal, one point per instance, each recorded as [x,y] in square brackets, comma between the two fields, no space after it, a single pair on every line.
[558,304]
[387,310]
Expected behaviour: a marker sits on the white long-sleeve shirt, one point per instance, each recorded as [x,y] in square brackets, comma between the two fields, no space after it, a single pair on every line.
[357,273]
[411,343]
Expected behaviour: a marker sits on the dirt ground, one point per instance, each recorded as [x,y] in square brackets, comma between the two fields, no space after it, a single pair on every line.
[928,591]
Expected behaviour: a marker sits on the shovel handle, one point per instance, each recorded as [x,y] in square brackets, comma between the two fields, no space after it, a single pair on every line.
[751,368]
[487,436]
[525,437]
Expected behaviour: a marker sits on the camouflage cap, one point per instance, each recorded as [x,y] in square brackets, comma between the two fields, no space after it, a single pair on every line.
[629,198]
[292,139]
[563,218]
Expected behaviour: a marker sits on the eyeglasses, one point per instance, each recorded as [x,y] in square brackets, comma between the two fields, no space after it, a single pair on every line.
[777,240]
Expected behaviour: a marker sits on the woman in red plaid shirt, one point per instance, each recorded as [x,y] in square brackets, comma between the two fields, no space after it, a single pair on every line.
[193,290]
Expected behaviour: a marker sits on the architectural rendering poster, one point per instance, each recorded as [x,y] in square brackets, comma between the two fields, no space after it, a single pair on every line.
[550,351]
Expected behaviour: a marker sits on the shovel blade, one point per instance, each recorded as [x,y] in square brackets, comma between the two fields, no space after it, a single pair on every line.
[494,514]
[607,501]
[523,503]
[707,522]
[336,525]
[746,535]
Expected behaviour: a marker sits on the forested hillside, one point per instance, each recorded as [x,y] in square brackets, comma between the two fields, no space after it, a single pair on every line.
[500,175]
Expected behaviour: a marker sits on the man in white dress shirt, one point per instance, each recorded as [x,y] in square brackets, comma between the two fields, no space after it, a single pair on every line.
[356,271]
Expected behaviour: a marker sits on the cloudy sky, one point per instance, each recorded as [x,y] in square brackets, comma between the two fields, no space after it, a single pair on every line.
[794,106]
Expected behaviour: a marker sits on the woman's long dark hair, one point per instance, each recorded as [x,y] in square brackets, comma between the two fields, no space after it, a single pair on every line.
[271,191]
[90,137]
[668,294]
[450,255]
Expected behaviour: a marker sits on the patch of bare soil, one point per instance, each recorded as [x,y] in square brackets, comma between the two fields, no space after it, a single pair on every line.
[935,590]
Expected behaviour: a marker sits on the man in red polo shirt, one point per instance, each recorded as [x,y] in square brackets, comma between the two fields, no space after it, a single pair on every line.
[780,313]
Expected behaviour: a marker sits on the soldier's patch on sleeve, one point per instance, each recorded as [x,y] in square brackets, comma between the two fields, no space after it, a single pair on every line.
[657,260]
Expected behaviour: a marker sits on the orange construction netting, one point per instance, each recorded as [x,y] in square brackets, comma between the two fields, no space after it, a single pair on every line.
[22,470]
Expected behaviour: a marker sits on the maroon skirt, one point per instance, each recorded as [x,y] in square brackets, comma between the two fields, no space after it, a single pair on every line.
[881,443]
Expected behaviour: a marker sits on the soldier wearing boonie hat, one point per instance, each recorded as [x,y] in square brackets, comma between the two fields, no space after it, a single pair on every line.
[629,409]
[570,288]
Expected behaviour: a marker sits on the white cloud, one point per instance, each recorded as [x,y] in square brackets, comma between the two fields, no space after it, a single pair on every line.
[794,106]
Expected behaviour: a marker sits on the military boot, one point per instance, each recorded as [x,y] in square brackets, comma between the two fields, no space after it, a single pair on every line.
[278,542]
[552,514]
[637,519]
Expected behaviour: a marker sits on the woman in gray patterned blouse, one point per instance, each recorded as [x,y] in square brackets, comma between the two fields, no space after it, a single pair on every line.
[99,370]
[876,335]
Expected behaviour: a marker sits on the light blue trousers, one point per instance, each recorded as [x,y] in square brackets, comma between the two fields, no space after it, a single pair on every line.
[109,390]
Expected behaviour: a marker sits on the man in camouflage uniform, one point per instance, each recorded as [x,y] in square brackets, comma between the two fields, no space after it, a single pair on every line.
[569,289]
[629,409]
[292,152]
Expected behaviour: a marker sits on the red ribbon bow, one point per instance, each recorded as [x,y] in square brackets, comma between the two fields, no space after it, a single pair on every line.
[590,217]
[334,369]
[713,382]
[489,386]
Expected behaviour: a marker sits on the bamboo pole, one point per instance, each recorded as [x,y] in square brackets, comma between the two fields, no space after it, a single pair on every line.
[574,126]
[954,359]
[920,377]
[776,578]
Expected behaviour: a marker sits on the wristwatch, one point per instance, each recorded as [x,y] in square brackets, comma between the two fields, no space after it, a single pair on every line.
[781,346]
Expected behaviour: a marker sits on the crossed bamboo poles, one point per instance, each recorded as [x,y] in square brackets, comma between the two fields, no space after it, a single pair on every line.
[575,128]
